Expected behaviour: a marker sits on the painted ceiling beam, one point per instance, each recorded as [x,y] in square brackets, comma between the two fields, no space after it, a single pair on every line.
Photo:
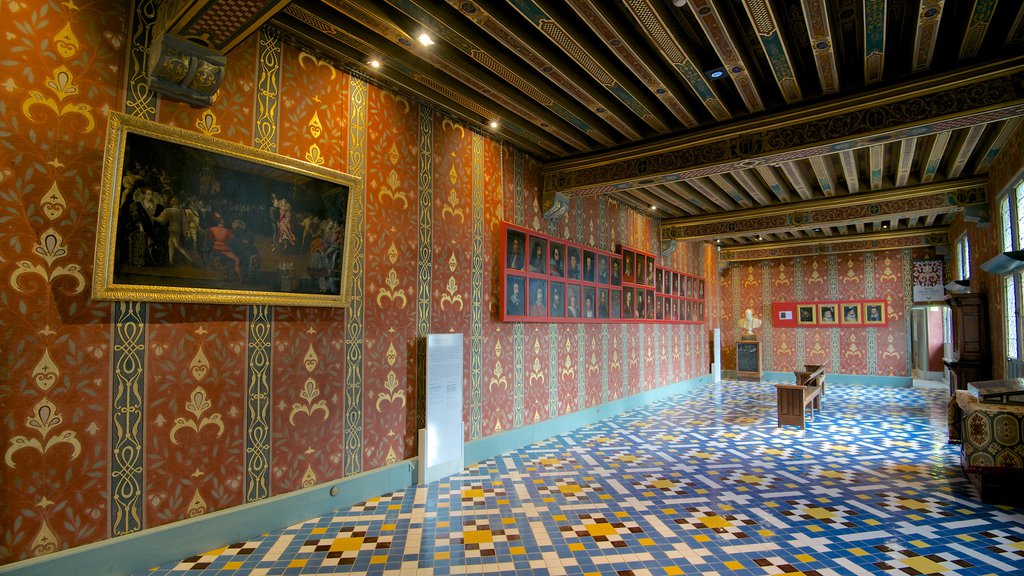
[820,33]
[798,179]
[874,40]
[217,24]
[929,17]
[936,151]
[822,166]
[724,182]
[775,184]
[977,27]
[889,240]
[876,165]
[968,142]
[848,160]
[713,24]
[766,26]
[906,160]
[995,146]
[749,182]
[970,96]
[711,192]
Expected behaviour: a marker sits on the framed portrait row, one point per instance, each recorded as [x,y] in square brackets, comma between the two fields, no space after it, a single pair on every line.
[849,313]
[546,279]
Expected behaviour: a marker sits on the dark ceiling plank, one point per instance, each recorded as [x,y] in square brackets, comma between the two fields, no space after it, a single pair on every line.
[979,94]
[709,191]
[774,183]
[822,44]
[1016,34]
[750,183]
[766,26]
[977,28]
[794,171]
[726,184]
[451,26]
[682,205]
[964,148]
[217,24]
[929,17]
[1000,133]
[874,40]
[905,164]
[736,67]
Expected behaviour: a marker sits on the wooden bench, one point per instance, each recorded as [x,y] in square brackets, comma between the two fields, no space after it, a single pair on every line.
[793,400]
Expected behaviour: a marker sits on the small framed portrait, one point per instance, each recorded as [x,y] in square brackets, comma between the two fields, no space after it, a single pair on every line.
[538,298]
[538,261]
[556,265]
[616,271]
[688,311]
[675,284]
[874,313]
[515,250]
[850,313]
[700,311]
[602,302]
[627,302]
[602,269]
[572,301]
[675,310]
[659,308]
[650,270]
[785,314]
[700,288]
[641,269]
[573,263]
[659,281]
[628,271]
[649,303]
[806,314]
[515,295]
[639,306]
[589,302]
[615,304]
[589,266]
[827,314]
[556,303]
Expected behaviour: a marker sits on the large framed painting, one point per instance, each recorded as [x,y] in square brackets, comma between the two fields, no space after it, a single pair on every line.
[188,218]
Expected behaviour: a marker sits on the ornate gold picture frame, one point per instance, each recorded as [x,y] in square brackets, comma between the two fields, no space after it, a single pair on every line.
[188,218]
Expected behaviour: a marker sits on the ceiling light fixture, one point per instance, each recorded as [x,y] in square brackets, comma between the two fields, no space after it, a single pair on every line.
[494,124]
[715,73]
[759,237]
[653,207]
[679,3]
[425,39]
[884,226]
[374,63]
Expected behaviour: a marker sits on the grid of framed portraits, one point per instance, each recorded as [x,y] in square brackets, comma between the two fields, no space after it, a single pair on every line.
[547,279]
[836,313]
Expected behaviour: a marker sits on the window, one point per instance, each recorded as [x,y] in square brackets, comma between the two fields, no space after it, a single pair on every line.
[1011,237]
[963,258]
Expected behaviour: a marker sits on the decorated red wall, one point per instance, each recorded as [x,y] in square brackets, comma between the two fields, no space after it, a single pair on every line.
[123,416]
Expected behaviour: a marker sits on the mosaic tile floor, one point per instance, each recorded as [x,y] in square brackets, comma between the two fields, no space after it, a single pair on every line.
[701,483]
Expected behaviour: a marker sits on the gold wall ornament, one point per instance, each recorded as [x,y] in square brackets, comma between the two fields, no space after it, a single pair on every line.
[890,349]
[199,367]
[568,369]
[851,275]
[313,156]
[62,84]
[750,280]
[392,458]
[782,279]
[207,124]
[50,248]
[52,203]
[309,478]
[537,377]
[392,188]
[452,297]
[198,404]
[197,506]
[310,361]
[309,393]
[66,42]
[393,393]
[391,291]
[307,60]
[46,372]
[852,351]
[43,420]
[887,273]
[392,355]
[392,254]
[453,263]
[498,378]
[815,277]
[452,208]
[314,125]
[44,542]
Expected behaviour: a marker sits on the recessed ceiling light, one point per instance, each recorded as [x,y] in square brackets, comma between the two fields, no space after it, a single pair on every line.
[886,225]
[759,237]
[425,39]
[494,124]
[653,207]
[715,73]
[679,3]
[374,63]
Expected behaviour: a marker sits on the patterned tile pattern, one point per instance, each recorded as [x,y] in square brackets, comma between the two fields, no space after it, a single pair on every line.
[701,484]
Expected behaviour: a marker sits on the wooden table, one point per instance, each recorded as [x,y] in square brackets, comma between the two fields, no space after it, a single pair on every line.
[999,391]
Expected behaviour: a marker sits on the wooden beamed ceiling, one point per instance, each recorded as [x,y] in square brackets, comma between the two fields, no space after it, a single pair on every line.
[688,109]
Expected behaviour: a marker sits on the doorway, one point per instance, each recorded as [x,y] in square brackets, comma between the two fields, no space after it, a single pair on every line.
[929,341]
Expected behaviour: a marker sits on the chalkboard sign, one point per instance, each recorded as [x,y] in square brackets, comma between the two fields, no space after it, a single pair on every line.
[748,358]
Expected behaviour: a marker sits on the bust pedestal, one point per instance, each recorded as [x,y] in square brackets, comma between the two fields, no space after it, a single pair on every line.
[748,358]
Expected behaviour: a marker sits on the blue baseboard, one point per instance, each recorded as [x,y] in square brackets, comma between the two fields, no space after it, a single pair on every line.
[139,552]
[855,379]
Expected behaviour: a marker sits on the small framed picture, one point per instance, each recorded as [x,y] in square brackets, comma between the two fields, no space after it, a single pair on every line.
[616,304]
[515,250]
[602,302]
[650,271]
[827,314]
[649,304]
[538,306]
[573,266]
[589,266]
[639,304]
[785,314]
[874,313]
[806,314]
[515,295]
[628,270]
[616,272]
[850,313]
[557,301]
[659,282]
[627,302]
[538,256]
[641,269]
[602,268]
[572,301]
[589,304]
[556,267]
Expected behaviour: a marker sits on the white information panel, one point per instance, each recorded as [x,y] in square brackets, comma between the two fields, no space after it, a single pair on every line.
[441,445]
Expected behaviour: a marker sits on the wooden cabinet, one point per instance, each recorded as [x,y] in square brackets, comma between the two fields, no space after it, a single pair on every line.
[748,360]
[970,359]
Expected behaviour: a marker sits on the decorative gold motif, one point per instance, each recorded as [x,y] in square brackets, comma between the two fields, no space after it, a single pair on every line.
[498,378]
[537,377]
[197,507]
[391,188]
[66,42]
[313,155]
[568,370]
[452,208]
[851,275]
[782,279]
[391,291]
[311,360]
[52,203]
[393,254]
[393,393]
[890,349]
[453,263]
[46,373]
[750,280]
[452,297]
[43,420]
[309,393]
[887,273]
[197,406]
[51,248]
[62,84]
[314,125]
[392,355]
[199,368]
[852,351]
[615,362]
[306,59]
[44,542]
[309,478]
[817,351]
[815,277]
[207,124]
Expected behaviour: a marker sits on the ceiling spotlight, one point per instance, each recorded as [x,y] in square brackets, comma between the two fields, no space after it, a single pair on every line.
[715,73]
[425,39]
[718,240]
[653,207]
[374,63]
[885,225]
[494,124]
[759,237]
[817,229]
[679,3]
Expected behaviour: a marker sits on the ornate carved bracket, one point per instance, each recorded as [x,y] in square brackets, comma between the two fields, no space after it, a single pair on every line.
[185,70]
